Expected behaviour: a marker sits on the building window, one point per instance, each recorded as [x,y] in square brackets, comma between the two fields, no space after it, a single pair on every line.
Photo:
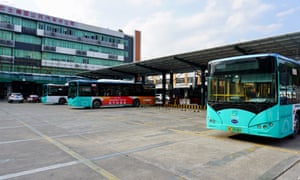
[85,61]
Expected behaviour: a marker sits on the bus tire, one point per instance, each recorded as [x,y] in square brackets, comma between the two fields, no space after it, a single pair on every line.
[62,101]
[96,104]
[296,126]
[136,103]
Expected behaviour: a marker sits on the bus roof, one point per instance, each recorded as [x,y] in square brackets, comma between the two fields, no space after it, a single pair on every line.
[252,56]
[115,81]
[111,81]
[51,84]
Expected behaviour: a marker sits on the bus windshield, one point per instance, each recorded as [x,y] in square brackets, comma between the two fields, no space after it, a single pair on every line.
[242,81]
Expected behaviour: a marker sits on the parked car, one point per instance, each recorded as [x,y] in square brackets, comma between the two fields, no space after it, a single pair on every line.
[33,98]
[15,97]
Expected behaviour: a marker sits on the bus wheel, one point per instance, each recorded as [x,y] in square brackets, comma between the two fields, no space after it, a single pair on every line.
[62,101]
[296,127]
[96,104]
[136,103]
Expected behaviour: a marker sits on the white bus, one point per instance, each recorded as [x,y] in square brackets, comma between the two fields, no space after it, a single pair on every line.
[54,94]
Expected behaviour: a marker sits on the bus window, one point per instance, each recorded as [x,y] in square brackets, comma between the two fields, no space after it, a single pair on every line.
[125,91]
[101,91]
[85,91]
[289,92]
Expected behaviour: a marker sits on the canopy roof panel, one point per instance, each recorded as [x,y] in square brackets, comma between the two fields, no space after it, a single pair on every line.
[287,45]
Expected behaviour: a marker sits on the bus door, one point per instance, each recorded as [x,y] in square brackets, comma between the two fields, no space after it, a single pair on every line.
[287,96]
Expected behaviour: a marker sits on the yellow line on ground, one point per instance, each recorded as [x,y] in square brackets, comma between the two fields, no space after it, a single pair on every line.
[72,153]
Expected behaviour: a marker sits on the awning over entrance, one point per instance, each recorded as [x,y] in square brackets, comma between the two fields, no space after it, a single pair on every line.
[287,45]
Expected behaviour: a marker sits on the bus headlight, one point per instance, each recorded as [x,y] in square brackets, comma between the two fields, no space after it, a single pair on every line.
[259,126]
[265,126]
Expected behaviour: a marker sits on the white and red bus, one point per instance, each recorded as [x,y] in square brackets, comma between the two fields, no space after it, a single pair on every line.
[109,93]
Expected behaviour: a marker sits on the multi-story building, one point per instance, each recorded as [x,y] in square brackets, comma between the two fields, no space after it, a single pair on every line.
[37,48]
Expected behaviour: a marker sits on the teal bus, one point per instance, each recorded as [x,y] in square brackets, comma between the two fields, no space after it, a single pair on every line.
[109,93]
[254,94]
[54,94]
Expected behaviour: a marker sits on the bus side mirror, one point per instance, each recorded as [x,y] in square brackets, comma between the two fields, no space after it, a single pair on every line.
[284,78]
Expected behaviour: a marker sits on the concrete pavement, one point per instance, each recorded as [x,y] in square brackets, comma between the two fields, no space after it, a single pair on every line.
[56,142]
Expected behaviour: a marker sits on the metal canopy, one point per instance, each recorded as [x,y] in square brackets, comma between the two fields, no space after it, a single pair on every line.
[287,45]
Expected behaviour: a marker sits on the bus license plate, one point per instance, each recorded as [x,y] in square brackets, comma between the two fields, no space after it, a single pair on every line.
[234,129]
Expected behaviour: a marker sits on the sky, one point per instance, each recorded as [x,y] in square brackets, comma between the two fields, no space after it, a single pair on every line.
[178,26]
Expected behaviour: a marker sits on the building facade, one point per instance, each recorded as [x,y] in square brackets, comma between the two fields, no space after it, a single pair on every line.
[186,87]
[38,48]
